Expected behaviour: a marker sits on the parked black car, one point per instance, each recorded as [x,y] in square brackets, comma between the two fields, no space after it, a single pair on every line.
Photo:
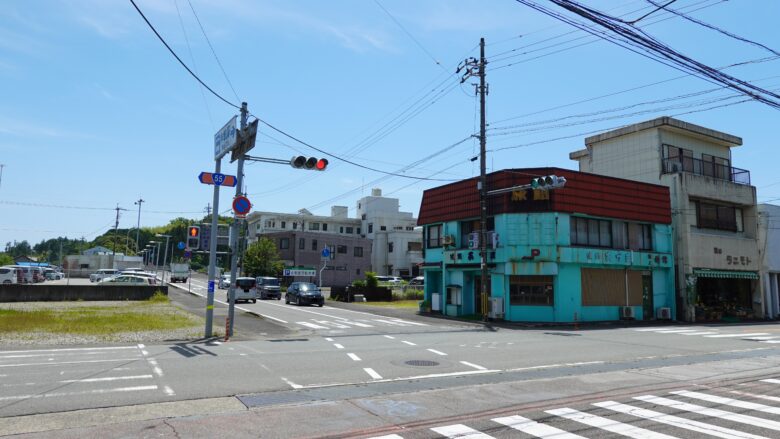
[304,293]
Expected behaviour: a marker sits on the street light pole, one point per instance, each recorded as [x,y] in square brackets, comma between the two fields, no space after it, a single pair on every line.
[138,224]
[159,235]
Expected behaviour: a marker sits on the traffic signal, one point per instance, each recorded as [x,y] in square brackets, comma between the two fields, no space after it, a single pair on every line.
[193,237]
[302,162]
[548,182]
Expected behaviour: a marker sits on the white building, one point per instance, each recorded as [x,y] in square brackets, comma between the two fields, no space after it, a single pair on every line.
[397,248]
[396,241]
[769,246]
[713,210]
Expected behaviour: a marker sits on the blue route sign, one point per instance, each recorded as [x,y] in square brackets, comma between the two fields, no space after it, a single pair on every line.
[180,245]
[325,253]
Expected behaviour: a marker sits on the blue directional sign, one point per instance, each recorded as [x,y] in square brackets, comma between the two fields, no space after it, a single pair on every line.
[217,179]
[325,253]
[180,245]
[187,254]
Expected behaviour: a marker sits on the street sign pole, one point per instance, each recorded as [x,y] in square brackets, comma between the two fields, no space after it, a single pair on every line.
[212,255]
[234,228]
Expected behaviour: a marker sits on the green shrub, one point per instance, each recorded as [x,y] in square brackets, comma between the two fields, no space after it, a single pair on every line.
[371,280]
[359,284]
[158,297]
[413,294]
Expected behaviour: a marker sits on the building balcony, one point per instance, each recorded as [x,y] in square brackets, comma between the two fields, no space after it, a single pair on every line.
[708,169]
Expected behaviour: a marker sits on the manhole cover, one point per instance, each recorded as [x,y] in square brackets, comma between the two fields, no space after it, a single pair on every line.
[422,363]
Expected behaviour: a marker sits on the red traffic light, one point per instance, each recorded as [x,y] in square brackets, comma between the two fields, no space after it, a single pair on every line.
[193,231]
[303,162]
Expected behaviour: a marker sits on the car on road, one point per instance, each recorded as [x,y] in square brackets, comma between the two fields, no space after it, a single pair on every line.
[268,288]
[389,280]
[224,281]
[245,289]
[127,279]
[103,273]
[304,293]
[52,274]
[418,283]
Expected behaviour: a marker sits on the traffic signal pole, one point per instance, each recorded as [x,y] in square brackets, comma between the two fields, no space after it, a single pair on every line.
[212,255]
[234,228]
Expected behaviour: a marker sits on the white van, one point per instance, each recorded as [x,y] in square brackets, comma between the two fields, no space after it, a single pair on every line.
[103,273]
[9,275]
[27,273]
[245,289]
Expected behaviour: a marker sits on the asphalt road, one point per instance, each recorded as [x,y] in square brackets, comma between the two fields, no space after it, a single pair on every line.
[412,371]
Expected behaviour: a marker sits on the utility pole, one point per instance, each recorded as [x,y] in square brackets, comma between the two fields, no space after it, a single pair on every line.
[477,68]
[212,256]
[207,210]
[138,225]
[234,228]
[1,173]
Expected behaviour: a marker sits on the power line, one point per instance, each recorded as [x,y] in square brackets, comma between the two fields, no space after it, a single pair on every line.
[658,8]
[194,65]
[213,51]
[410,35]
[197,78]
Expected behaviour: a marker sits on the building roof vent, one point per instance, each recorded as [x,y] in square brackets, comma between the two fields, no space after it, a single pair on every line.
[376,192]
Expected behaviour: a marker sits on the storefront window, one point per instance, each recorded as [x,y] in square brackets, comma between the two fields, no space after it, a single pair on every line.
[531,290]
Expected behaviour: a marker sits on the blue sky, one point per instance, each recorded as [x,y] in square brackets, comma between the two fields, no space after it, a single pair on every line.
[95,112]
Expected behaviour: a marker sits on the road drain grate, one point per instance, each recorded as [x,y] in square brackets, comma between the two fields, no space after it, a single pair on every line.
[421,363]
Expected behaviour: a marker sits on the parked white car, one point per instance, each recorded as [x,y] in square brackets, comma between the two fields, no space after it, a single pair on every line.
[127,279]
[392,280]
[103,273]
[9,275]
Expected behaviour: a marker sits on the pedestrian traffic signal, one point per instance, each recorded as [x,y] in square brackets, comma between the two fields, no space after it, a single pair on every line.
[548,182]
[302,162]
[193,237]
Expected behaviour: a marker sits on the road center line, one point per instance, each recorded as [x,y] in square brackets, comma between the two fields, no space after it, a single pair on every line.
[437,352]
[390,337]
[353,356]
[409,343]
[97,380]
[72,362]
[86,392]
[338,346]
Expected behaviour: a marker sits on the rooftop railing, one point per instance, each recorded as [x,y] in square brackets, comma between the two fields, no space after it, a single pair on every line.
[706,168]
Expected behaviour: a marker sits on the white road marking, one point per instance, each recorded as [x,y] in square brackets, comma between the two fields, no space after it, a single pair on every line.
[437,352]
[659,329]
[728,401]
[312,325]
[387,436]
[409,343]
[390,337]
[460,431]
[86,392]
[169,391]
[534,428]
[701,333]
[72,362]
[753,395]
[677,421]
[328,339]
[736,335]
[362,325]
[475,366]
[237,307]
[675,331]
[407,322]
[334,324]
[97,380]
[372,373]
[607,424]
[772,341]
[70,349]
[338,346]
[292,384]
[771,381]
[549,366]
[353,356]
[715,413]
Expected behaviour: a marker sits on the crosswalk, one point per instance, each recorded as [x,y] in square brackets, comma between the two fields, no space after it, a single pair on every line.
[715,333]
[343,323]
[722,412]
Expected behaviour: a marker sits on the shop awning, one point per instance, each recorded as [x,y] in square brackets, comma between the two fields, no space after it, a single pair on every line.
[725,274]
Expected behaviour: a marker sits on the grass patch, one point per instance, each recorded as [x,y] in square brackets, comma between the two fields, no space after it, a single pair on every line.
[394,304]
[151,315]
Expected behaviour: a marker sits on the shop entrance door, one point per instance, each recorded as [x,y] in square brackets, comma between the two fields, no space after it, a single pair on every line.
[647,297]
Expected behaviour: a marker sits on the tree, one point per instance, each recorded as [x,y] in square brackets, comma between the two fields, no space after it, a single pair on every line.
[6,259]
[263,259]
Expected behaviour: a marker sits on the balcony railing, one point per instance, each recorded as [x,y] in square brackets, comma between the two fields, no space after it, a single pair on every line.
[709,169]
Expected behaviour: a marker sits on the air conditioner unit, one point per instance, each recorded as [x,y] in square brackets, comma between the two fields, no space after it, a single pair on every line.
[663,313]
[626,312]
[448,240]
[473,244]
[496,308]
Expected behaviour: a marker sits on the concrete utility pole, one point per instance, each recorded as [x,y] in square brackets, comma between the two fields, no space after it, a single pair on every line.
[477,68]
[116,226]
[212,255]
[138,225]
[1,173]
[234,228]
